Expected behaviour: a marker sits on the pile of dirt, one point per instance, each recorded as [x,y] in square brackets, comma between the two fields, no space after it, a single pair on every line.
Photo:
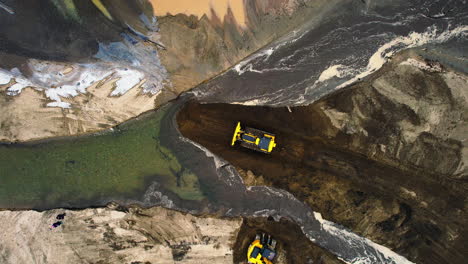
[385,158]
[293,247]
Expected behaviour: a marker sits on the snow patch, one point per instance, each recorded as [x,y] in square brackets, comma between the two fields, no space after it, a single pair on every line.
[127,80]
[252,102]
[84,79]
[279,193]
[264,213]
[20,81]
[128,61]
[338,70]
[59,104]
[318,217]
[48,77]
[423,65]
[245,65]
[387,255]
[414,39]
[5,77]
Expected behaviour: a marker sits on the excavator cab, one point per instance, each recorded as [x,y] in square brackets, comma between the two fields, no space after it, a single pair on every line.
[254,139]
[261,250]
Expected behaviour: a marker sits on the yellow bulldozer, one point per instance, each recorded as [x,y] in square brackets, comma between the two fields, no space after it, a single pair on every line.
[254,139]
[261,250]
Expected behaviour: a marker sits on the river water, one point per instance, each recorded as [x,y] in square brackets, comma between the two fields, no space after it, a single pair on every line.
[298,69]
[229,196]
[309,64]
[344,48]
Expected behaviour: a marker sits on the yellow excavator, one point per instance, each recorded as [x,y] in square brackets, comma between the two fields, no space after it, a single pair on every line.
[254,139]
[261,250]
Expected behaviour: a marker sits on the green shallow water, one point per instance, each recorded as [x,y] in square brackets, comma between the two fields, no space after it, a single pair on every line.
[116,163]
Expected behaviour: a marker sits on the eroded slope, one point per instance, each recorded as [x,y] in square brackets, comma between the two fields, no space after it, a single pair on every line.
[385,158]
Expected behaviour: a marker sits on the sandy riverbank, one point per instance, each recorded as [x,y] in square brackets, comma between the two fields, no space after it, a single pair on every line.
[117,234]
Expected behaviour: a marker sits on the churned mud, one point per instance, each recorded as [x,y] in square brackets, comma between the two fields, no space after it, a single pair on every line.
[373,158]
[293,247]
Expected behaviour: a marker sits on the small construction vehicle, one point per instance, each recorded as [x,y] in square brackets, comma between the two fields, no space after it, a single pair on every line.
[261,250]
[255,139]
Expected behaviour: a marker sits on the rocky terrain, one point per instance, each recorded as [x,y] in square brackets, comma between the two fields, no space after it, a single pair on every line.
[292,247]
[385,157]
[136,235]
[123,60]
[198,48]
[107,235]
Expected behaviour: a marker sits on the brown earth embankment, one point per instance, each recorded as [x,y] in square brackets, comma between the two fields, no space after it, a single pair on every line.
[384,158]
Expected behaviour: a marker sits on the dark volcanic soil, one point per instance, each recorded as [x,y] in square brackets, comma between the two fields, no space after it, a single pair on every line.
[349,157]
[293,246]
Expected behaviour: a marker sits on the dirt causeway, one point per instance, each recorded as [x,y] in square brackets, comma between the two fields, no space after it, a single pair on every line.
[356,158]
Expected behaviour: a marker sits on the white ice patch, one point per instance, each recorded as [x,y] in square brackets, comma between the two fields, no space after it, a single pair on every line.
[422,65]
[355,241]
[335,71]
[48,77]
[20,81]
[128,79]
[414,39]
[252,102]
[129,62]
[84,79]
[265,213]
[59,104]
[318,217]
[5,77]
[268,52]
[291,38]
[245,65]
[274,192]
[20,84]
